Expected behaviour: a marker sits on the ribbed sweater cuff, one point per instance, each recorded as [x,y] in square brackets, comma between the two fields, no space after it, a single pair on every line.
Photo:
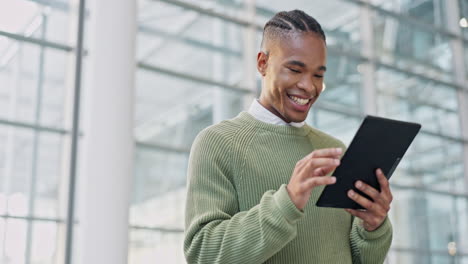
[385,227]
[287,208]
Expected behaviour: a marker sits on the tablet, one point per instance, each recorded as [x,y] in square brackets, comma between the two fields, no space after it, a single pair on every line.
[379,143]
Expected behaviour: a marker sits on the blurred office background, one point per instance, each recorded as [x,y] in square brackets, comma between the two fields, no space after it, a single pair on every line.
[195,66]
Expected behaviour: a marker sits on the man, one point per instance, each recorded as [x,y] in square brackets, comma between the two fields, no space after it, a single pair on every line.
[254,179]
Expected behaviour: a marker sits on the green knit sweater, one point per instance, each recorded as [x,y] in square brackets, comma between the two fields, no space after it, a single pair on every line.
[238,209]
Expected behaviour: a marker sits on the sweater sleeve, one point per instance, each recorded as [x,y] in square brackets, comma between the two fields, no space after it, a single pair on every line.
[370,247]
[215,230]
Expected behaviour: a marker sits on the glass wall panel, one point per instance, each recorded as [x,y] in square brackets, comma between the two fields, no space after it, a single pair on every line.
[435,157]
[427,11]
[426,224]
[14,237]
[44,246]
[191,43]
[412,47]
[146,246]
[343,83]
[338,124]
[36,40]
[27,17]
[33,78]
[410,97]
[174,118]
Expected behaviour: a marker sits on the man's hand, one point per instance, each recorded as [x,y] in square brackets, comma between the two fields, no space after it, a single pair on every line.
[311,172]
[376,211]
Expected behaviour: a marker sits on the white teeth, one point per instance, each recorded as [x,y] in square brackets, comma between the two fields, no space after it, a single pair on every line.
[298,100]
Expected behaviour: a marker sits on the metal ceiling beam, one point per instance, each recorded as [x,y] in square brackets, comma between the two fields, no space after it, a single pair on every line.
[37,41]
[193,78]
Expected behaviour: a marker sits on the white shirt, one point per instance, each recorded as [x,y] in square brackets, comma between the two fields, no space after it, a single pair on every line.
[261,113]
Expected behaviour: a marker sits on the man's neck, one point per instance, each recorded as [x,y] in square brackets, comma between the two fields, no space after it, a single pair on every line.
[262,113]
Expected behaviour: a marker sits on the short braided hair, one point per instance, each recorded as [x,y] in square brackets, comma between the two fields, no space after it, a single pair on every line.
[291,21]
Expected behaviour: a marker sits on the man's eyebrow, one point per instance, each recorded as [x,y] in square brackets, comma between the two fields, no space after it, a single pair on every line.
[322,68]
[297,63]
[301,64]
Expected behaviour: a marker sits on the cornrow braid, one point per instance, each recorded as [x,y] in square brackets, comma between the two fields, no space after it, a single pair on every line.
[287,21]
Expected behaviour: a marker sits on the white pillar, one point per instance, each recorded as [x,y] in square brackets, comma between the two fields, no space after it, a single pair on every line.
[108,143]
[368,69]
[221,97]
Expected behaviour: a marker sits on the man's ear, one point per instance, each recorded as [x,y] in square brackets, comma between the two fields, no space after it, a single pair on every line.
[262,62]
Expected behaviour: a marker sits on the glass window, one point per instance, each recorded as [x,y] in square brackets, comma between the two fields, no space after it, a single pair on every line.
[427,11]
[343,83]
[29,18]
[44,245]
[153,193]
[401,255]
[425,223]
[34,75]
[414,98]
[336,124]
[30,74]
[193,44]
[14,237]
[147,246]
[411,47]
[174,118]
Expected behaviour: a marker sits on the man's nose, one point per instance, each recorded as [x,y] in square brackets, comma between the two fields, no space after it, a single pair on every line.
[308,85]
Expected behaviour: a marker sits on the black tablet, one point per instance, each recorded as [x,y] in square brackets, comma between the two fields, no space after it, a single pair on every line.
[379,143]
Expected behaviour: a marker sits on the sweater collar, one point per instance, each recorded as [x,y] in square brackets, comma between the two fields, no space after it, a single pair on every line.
[261,113]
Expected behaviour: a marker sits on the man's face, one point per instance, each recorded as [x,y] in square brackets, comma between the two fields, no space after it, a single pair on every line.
[292,74]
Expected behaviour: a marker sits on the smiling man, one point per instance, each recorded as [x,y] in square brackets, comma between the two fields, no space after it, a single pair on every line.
[253,180]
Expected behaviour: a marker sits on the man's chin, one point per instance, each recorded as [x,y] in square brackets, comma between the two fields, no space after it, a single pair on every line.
[297,119]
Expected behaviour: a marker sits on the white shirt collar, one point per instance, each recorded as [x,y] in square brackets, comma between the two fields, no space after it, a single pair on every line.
[261,113]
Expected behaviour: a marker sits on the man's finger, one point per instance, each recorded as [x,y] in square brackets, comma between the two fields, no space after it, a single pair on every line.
[364,202]
[367,189]
[377,197]
[323,162]
[322,171]
[317,181]
[384,185]
[327,152]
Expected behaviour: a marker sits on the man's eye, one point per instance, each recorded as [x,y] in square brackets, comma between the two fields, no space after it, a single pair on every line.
[293,70]
[318,76]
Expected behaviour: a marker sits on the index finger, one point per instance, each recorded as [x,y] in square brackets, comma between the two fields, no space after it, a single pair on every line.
[326,152]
